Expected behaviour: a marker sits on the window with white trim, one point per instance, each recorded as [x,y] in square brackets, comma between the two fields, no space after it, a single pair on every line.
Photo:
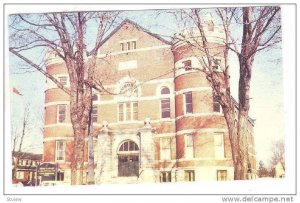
[216,105]
[165,148]
[128,111]
[20,174]
[189,175]
[122,47]
[60,151]
[221,175]
[128,45]
[188,101]
[133,44]
[219,145]
[165,103]
[94,115]
[189,146]
[61,113]
[165,176]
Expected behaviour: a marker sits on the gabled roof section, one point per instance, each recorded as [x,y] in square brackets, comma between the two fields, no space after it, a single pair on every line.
[139,28]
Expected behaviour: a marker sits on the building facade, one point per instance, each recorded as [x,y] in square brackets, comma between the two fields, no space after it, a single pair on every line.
[24,168]
[157,121]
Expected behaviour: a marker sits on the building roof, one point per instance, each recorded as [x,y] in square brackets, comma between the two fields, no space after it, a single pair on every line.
[138,27]
[27,155]
[236,104]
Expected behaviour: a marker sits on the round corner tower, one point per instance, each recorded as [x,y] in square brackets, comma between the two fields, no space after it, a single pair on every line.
[203,149]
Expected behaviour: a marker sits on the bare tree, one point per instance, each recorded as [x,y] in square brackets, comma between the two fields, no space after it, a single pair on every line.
[278,156]
[18,139]
[65,35]
[261,29]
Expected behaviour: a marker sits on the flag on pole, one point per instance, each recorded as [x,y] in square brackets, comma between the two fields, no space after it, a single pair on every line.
[16,91]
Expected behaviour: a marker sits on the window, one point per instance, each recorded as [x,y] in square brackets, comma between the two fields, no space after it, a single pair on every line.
[189,146]
[165,150]
[165,103]
[122,47]
[216,105]
[133,44]
[128,145]
[188,103]
[128,111]
[187,65]
[128,45]
[189,175]
[165,176]
[60,176]
[60,151]
[221,175]
[63,80]
[94,115]
[94,97]
[62,108]
[219,146]
[20,174]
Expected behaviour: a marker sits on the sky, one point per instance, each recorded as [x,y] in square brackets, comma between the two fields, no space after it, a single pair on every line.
[266,105]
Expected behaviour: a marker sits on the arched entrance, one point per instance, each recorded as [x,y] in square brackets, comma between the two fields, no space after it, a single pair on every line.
[128,159]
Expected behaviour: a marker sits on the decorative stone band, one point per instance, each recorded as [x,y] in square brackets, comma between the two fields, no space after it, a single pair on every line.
[207,130]
[199,115]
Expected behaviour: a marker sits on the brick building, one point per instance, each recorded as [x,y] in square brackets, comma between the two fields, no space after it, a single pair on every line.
[24,167]
[160,125]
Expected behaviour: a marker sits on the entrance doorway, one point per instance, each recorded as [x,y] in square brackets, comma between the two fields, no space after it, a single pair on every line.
[128,159]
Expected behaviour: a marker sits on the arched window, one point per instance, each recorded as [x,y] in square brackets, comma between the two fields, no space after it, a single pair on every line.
[165,103]
[128,159]
[128,146]
[165,90]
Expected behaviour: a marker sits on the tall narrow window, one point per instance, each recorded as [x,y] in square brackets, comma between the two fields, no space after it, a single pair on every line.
[121,112]
[60,151]
[63,80]
[189,146]
[216,105]
[134,111]
[165,148]
[62,109]
[165,176]
[122,47]
[133,44]
[219,146]
[60,176]
[165,103]
[187,65]
[189,175]
[221,175]
[128,45]
[188,102]
[94,115]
